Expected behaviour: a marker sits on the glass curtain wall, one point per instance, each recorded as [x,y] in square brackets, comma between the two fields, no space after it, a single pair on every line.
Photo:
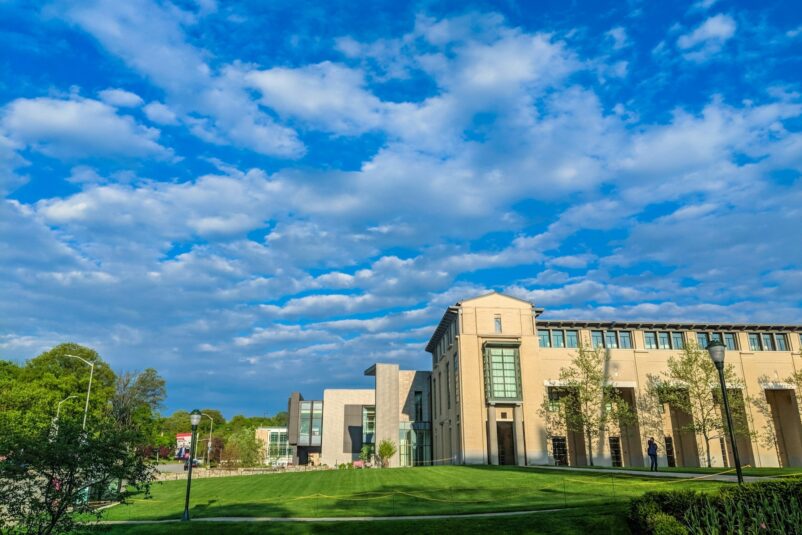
[310,425]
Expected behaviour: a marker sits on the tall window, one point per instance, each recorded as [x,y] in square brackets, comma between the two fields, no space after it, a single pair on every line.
[702,340]
[434,396]
[558,338]
[611,339]
[625,337]
[663,340]
[448,388]
[597,339]
[502,374]
[418,406]
[310,426]
[543,338]
[368,424]
[440,393]
[677,340]
[571,339]
[782,342]
[497,322]
[650,339]
[768,342]
[456,379]
[729,341]
[754,341]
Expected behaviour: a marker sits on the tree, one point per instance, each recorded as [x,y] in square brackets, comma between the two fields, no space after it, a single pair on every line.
[46,475]
[591,402]
[137,397]
[386,451]
[243,449]
[552,413]
[691,384]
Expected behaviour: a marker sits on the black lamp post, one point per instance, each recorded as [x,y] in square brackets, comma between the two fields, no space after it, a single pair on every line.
[194,419]
[716,350]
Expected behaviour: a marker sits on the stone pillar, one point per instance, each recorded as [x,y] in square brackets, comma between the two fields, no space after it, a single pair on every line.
[520,447]
[493,435]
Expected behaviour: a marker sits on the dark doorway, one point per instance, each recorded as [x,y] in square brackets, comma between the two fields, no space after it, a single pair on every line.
[559,448]
[615,452]
[670,458]
[506,444]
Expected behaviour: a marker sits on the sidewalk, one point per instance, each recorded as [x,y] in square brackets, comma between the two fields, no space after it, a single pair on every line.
[332,518]
[642,473]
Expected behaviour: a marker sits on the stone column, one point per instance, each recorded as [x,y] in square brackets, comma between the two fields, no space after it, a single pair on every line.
[520,448]
[493,438]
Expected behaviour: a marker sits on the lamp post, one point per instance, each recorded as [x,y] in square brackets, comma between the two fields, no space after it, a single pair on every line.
[58,411]
[194,419]
[209,443]
[716,350]
[88,390]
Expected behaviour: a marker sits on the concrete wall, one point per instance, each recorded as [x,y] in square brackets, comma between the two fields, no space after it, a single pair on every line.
[334,402]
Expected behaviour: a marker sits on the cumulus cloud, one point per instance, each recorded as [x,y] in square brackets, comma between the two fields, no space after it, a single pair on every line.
[706,40]
[160,114]
[121,98]
[78,127]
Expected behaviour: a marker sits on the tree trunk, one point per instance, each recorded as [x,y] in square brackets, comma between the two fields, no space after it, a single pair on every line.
[707,451]
[589,448]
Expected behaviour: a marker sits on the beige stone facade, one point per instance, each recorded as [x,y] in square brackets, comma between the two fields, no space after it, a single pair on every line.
[342,413]
[485,413]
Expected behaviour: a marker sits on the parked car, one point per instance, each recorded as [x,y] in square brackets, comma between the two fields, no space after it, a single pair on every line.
[195,463]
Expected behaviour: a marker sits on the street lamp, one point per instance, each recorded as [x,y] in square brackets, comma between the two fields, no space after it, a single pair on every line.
[58,411]
[88,390]
[194,419]
[716,350]
[209,443]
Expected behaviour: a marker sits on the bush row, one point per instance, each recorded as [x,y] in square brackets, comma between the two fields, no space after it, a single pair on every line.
[763,507]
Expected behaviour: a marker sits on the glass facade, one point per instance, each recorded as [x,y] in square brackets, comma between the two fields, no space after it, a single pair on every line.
[418,406]
[502,374]
[278,447]
[368,424]
[310,424]
[415,443]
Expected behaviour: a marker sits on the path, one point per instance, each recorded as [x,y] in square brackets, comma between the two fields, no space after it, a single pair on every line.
[333,518]
[679,475]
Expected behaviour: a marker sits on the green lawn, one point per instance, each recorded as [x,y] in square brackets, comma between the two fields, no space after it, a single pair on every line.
[603,520]
[397,492]
[748,471]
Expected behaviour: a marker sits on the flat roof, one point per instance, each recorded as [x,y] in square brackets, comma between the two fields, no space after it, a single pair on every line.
[674,325]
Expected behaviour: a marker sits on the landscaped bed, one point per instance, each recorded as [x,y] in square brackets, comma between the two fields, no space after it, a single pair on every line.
[395,492]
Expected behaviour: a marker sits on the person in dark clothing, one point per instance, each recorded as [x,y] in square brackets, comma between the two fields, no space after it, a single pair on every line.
[651,449]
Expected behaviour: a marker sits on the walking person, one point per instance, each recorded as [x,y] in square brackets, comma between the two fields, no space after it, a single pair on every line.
[651,449]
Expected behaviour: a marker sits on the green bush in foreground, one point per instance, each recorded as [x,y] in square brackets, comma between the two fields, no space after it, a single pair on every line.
[765,507]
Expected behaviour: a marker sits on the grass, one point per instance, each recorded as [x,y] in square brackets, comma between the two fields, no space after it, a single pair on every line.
[597,520]
[397,492]
[747,471]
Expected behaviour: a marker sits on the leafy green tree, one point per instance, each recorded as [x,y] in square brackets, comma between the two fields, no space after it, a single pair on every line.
[386,451]
[366,453]
[592,403]
[47,473]
[691,384]
[243,449]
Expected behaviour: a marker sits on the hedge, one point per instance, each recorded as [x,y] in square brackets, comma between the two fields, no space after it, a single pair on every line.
[763,507]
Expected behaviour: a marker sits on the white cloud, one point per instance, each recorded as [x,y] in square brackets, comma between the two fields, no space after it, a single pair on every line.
[121,98]
[707,39]
[138,32]
[78,128]
[618,35]
[160,114]
[326,94]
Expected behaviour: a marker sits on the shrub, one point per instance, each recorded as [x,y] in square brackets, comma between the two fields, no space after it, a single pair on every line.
[386,451]
[764,507]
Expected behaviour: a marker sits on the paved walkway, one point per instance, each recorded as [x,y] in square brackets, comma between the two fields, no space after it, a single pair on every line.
[332,518]
[727,478]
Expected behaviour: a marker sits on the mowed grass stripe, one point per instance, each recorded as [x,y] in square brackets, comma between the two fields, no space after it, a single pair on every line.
[402,491]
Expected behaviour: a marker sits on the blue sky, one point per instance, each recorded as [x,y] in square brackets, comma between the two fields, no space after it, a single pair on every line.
[255,198]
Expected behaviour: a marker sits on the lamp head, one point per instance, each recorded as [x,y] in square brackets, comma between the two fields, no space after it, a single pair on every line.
[716,350]
[195,417]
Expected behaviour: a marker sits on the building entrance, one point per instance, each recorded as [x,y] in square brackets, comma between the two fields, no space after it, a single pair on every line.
[506,443]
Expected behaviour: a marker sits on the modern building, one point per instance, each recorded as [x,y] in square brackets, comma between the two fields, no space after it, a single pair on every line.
[334,430]
[494,362]
[276,448]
